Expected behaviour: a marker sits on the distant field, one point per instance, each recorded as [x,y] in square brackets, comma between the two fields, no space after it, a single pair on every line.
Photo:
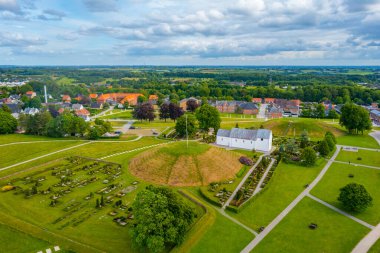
[335,233]
[287,182]
[337,177]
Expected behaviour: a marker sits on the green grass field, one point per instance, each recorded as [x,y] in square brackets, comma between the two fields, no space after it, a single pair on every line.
[337,177]
[375,248]
[10,138]
[364,141]
[13,241]
[287,182]
[94,150]
[118,114]
[21,152]
[367,157]
[223,236]
[99,230]
[335,233]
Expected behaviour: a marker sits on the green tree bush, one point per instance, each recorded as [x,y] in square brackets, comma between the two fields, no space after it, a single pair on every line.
[309,156]
[355,197]
[161,219]
[8,124]
[180,126]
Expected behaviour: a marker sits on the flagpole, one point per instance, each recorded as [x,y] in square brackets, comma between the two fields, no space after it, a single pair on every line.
[187,135]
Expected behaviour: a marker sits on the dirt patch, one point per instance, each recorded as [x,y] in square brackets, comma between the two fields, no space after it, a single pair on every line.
[152,166]
[218,164]
[185,173]
[161,166]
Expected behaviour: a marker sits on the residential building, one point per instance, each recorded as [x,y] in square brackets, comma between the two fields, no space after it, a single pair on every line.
[83,113]
[96,105]
[274,112]
[30,94]
[153,99]
[76,107]
[131,98]
[15,109]
[66,99]
[269,100]
[260,140]
[257,100]
[30,111]
[249,108]
[375,116]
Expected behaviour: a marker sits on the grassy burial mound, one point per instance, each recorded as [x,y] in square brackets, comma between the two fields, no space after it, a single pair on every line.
[177,165]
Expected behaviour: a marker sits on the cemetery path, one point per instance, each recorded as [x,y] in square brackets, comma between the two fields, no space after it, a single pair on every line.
[357,164]
[258,187]
[340,211]
[376,135]
[242,182]
[290,207]
[366,243]
[42,156]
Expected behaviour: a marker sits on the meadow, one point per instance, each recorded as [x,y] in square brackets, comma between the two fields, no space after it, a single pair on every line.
[338,176]
[294,235]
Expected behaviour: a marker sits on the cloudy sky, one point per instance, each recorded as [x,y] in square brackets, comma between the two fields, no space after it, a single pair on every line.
[195,32]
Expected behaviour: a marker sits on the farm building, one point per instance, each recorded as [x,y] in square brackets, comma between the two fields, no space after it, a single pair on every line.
[260,140]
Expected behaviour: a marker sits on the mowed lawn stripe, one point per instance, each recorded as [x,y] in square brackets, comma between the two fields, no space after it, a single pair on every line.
[294,235]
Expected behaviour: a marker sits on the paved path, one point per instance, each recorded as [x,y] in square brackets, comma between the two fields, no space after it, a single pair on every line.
[282,215]
[241,183]
[126,127]
[39,157]
[366,243]
[136,149]
[356,164]
[340,211]
[222,212]
[370,149]
[376,135]
[31,142]
[102,113]
[261,114]
[258,187]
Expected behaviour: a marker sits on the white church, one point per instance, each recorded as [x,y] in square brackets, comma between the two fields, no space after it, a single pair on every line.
[260,140]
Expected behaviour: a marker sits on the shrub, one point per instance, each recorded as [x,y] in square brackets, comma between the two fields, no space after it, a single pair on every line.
[355,197]
[359,158]
[324,148]
[309,156]
[246,161]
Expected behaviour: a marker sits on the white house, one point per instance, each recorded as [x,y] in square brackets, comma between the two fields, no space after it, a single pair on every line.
[260,140]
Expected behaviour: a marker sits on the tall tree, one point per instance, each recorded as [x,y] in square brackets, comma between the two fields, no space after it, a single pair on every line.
[8,124]
[175,111]
[208,117]
[161,219]
[309,156]
[37,124]
[182,124]
[323,148]
[164,111]
[192,105]
[355,118]
[144,111]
